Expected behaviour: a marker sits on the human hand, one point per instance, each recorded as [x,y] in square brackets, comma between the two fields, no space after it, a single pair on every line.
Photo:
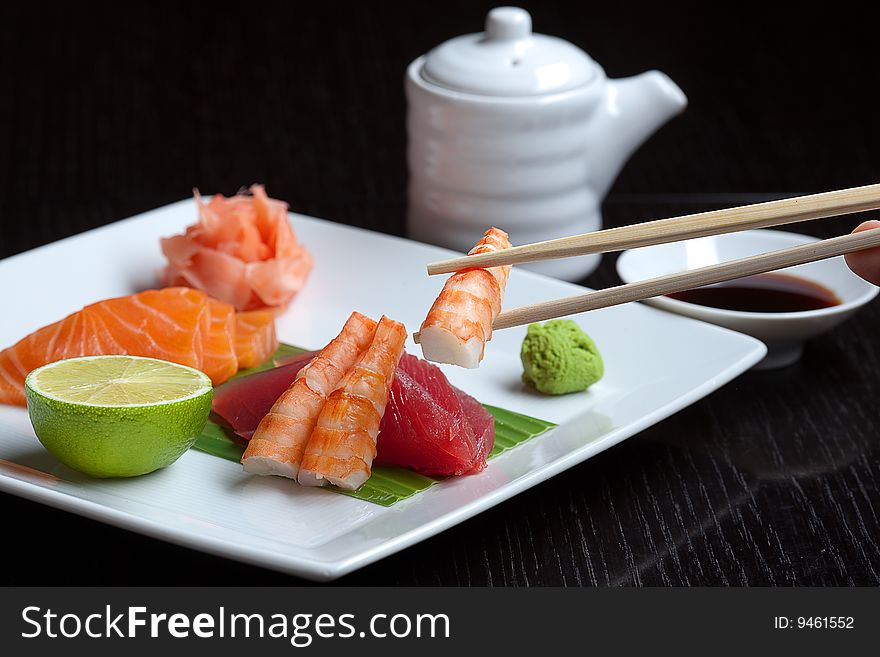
[866,263]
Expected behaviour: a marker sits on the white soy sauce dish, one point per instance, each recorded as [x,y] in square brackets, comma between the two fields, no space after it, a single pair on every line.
[784,333]
[522,131]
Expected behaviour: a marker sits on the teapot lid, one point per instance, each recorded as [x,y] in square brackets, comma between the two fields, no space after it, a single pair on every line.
[508,60]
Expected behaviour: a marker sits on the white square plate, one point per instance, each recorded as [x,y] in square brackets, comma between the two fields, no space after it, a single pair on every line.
[656,364]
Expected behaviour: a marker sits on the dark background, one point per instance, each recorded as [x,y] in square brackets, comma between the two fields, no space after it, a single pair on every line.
[110,109]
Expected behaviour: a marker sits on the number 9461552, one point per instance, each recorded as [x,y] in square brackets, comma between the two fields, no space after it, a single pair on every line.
[825,622]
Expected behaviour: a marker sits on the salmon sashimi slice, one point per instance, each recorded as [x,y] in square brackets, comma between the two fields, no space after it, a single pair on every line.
[255,338]
[242,251]
[460,321]
[342,446]
[169,324]
[29,353]
[277,445]
[219,340]
[179,324]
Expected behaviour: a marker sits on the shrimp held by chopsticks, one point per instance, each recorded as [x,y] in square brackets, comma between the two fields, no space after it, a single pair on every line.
[278,443]
[342,445]
[460,322]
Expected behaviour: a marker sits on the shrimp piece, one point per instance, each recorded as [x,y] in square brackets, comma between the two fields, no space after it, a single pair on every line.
[277,445]
[342,446]
[460,322]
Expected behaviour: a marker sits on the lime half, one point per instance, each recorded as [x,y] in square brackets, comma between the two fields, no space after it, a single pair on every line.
[117,416]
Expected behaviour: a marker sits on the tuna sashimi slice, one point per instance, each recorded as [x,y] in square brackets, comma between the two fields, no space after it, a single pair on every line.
[483,426]
[429,425]
[243,402]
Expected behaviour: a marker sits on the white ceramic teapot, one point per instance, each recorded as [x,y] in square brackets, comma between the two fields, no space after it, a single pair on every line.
[521,131]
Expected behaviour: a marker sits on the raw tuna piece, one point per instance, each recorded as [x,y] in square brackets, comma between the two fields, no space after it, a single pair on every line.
[429,425]
[243,402]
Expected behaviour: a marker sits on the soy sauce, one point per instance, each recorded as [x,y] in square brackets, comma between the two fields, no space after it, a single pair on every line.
[762,293]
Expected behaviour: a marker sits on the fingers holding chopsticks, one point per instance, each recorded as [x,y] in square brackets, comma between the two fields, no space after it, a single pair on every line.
[866,263]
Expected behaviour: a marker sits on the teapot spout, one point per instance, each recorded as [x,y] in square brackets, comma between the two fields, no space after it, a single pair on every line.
[634,108]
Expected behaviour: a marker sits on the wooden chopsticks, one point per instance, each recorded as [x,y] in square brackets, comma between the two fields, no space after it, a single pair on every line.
[759,215]
[680,281]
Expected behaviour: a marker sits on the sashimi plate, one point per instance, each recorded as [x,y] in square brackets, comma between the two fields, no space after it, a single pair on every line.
[656,364]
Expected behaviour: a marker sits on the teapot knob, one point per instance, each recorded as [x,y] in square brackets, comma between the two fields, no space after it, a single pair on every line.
[508,24]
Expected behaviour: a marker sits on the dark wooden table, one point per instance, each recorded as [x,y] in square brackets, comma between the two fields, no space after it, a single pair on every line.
[110,109]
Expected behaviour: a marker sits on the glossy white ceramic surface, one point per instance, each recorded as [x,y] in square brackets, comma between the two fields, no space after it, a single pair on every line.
[524,132]
[210,504]
[784,333]
[508,59]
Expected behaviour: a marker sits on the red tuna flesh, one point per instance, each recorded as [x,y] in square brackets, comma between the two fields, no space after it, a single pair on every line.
[243,402]
[429,425]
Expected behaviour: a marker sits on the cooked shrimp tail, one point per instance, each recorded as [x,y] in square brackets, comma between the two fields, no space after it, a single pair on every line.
[460,322]
[342,445]
[278,443]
